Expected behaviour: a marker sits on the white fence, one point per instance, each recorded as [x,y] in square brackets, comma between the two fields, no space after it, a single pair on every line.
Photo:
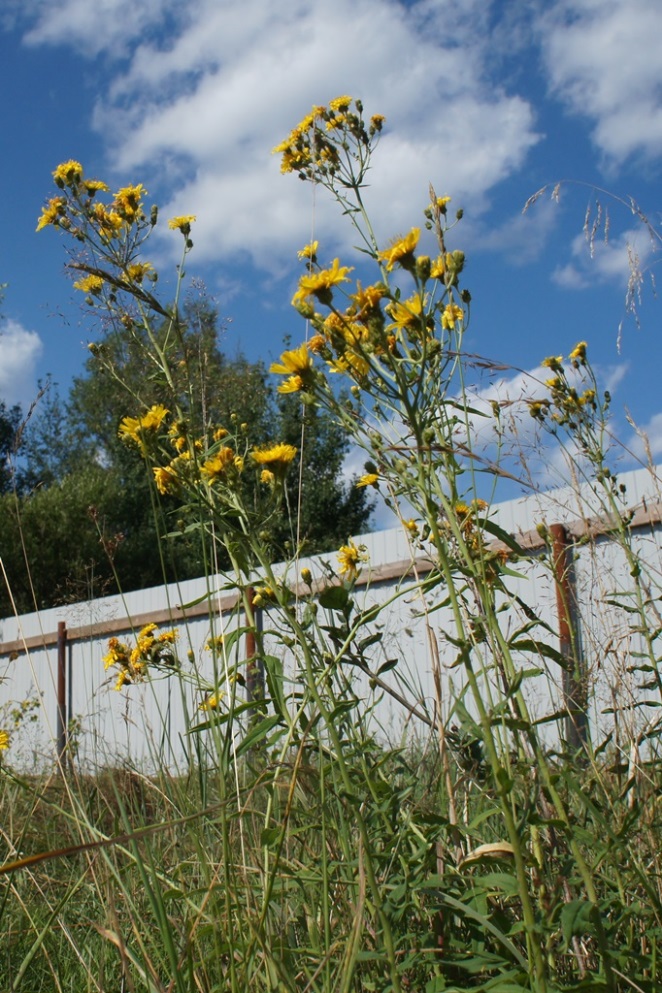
[147,724]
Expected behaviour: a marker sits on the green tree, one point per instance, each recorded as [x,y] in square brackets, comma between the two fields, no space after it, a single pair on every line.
[88,514]
[10,423]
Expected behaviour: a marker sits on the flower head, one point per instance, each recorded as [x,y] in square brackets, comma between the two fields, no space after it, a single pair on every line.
[52,212]
[320,284]
[217,467]
[128,201]
[5,740]
[401,250]
[308,252]
[68,173]
[276,458]
[350,558]
[135,428]
[182,223]
[451,314]
[89,284]
[297,364]
[368,479]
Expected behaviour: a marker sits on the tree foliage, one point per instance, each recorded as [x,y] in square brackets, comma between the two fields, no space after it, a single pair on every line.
[85,516]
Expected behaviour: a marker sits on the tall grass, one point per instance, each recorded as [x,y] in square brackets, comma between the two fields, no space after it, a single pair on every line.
[300,848]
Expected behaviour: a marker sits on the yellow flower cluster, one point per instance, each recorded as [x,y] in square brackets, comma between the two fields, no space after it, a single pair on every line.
[5,740]
[566,406]
[314,147]
[139,429]
[133,664]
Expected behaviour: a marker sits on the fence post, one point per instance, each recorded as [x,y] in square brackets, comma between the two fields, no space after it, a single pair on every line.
[254,665]
[61,692]
[575,690]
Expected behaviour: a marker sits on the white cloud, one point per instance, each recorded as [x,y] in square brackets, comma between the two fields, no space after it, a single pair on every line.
[603,60]
[19,351]
[93,28]
[202,107]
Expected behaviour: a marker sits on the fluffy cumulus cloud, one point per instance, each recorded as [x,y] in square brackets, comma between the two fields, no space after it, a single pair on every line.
[602,58]
[201,105]
[19,351]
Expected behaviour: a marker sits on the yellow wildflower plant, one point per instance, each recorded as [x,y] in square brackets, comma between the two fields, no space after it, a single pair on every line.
[166,479]
[368,479]
[182,223]
[135,429]
[276,458]
[400,251]
[450,315]
[405,314]
[297,364]
[136,272]
[216,467]
[93,186]
[90,284]
[52,213]
[212,702]
[578,354]
[350,558]
[128,201]
[320,284]
[308,252]
[5,740]
[68,173]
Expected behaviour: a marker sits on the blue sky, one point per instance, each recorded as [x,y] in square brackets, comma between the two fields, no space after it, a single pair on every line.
[488,101]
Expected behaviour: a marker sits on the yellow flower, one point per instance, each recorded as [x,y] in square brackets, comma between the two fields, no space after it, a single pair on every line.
[340,104]
[93,186]
[274,457]
[4,741]
[298,364]
[553,362]
[182,223]
[451,314]
[90,284]
[401,250]
[350,557]
[165,479]
[578,354]
[308,251]
[405,314]
[52,212]
[369,479]
[366,301]
[132,428]
[68,173]
[212,702]
[319,284]
[412,527]
[441,202]
[377,122]
[217,466]
[128,201]
[108,221]
[136,273]
[154,417]
[267,477]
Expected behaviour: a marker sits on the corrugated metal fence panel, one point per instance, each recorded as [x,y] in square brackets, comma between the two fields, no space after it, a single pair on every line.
[148,723]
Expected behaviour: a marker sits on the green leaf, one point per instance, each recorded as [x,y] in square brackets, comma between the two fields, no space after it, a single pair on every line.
[334,598]
[258,733]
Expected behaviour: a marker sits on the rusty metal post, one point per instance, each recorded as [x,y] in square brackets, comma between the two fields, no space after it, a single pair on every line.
[575,691]
[61,691]
[254,666]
